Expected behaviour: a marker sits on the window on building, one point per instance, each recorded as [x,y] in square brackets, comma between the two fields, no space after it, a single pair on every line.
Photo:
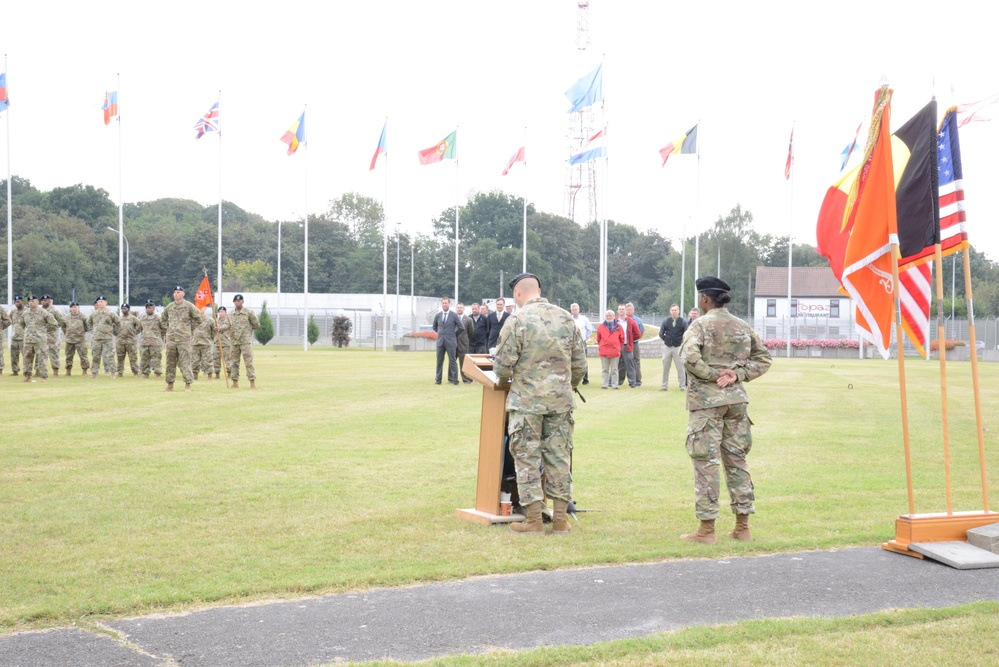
[771,307]
[833,307]
[794,307]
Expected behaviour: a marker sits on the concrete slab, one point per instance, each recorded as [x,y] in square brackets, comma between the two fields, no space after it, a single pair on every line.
[69,647]
[959,555]
[985,537]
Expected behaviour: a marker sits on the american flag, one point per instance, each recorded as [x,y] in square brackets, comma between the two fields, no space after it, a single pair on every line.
[209,122]
[915,283]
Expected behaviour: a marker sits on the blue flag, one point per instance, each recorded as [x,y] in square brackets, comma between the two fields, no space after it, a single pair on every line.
[587,91]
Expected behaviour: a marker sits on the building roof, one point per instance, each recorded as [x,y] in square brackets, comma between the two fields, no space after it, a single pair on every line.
[806,281]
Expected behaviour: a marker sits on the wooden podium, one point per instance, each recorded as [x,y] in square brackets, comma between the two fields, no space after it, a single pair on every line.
[492,431]
[941,527]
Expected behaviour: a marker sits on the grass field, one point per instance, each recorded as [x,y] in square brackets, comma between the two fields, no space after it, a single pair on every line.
[344,469]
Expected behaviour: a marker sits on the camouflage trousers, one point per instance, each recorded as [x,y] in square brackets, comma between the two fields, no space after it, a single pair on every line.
[720,437]
[34,355]
[201,358]
[53,351]
[217,360]
[542,444]
[233,366]
[72,349]
[16,353]
[130,349]
[3,347]
[102,350]
[151,359]
[178,354]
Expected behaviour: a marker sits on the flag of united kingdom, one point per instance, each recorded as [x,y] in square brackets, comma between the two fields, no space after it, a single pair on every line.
[209,122]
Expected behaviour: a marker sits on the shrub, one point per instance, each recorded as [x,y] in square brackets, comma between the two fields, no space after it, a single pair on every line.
[340,332]
[800,343]
[429,335]
[313,330]
[265,331]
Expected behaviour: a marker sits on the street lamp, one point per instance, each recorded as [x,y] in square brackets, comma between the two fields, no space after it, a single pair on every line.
[127,254]
[397,226]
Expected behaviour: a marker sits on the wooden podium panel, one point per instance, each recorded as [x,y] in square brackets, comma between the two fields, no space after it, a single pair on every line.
[941,527]
[492,431]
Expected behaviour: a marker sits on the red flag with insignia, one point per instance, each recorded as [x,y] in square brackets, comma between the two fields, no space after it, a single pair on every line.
[204,296]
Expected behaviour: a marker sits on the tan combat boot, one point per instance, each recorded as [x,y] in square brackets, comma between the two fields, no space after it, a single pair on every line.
[216,376]
[560,519]
[69,371]
[705,534]
[121,374]
[169,387]
[253,384]
[55,372]
[533,522]
[235,384]
[195,375]
[187,386]
[741,530]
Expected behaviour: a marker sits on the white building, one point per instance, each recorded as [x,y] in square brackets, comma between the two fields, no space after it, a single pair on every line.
[817,308]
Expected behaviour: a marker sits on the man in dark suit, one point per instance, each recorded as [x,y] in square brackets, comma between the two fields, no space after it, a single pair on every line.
[447,325]
[464,336]
[496,321]
[480,337]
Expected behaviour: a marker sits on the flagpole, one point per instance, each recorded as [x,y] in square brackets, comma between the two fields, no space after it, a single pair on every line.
[897,304]
[683,269]
[603,238]
[457,190]
[790,237]
[942,354]
[219,279]
[524,264]
[974,373]
[121,214]
[697,212]
[10,207]
[385,253]
[305,291]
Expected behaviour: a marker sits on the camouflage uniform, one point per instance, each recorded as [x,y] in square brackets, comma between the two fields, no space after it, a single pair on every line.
[541,349]
[718,429]
[104,324]
[201,345]
[178,322]
[53,339]
[239,326]
[150,345]
[126,344]
[76,326]
[226,348]
[17,339]
[4,323]
[38,326]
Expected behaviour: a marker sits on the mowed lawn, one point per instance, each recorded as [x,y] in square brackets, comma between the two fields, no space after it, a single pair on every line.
[344,469]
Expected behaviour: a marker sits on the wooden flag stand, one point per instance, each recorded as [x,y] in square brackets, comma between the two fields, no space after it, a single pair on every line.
[492,431]
[943,527]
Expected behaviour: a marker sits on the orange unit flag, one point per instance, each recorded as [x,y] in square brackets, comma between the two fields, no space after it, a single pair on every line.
[204,296]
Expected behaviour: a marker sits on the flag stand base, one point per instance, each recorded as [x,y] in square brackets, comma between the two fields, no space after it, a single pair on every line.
[942,527]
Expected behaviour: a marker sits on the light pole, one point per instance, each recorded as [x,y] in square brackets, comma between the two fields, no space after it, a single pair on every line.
[397,226]
[412,286]
[128,294]
[279,265]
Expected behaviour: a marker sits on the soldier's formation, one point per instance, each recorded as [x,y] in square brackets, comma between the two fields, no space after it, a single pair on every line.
[195,341]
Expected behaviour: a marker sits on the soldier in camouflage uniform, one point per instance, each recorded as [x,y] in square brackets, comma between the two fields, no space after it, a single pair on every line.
[127,342]
[224,343]
[720,353]
[104,324]
[179,320]
[542,353]
[201,345]
[17,337]
[151,343]
[75,327]
[239,326]
[38,326]
[53,342]
[4,323]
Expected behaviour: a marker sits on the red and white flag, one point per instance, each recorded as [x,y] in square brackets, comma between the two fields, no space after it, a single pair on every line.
[790,156]
[517,157]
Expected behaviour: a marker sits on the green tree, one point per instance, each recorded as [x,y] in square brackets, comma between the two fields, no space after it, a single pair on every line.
[340,332]
[246,276]
[90,204]
[265,332]
[313,330]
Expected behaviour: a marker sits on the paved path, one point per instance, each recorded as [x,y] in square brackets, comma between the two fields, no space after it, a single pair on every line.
[514,611]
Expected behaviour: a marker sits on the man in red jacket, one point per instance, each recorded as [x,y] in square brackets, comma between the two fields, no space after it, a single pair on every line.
[631,334]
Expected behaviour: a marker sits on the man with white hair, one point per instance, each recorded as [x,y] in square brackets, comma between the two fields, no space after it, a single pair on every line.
[585,330]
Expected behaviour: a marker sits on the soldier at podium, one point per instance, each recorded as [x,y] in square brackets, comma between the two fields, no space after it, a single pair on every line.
[541,352]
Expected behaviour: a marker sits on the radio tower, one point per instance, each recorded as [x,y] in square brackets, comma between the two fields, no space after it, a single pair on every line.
[583,176]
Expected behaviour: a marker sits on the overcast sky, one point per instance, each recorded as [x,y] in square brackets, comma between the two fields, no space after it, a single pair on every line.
[744,71]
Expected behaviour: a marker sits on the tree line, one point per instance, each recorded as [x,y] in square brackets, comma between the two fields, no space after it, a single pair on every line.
[63,246]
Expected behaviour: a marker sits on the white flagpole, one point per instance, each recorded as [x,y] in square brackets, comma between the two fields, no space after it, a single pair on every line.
[457,195]
[697,210]
[218,284]
[121,212]
[385,254]
[790,243]
[683,269]
[524,266]
[305,292]
[10,207]
[603,230]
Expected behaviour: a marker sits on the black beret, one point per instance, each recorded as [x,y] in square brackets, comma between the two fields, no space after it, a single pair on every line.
[125,305]
[73,303]
[46,296]
[149,302]
[520,276]
[17,297]
[178,288]
[711,285]
[100,298]
[238,297]
[32,297]
[221,308]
